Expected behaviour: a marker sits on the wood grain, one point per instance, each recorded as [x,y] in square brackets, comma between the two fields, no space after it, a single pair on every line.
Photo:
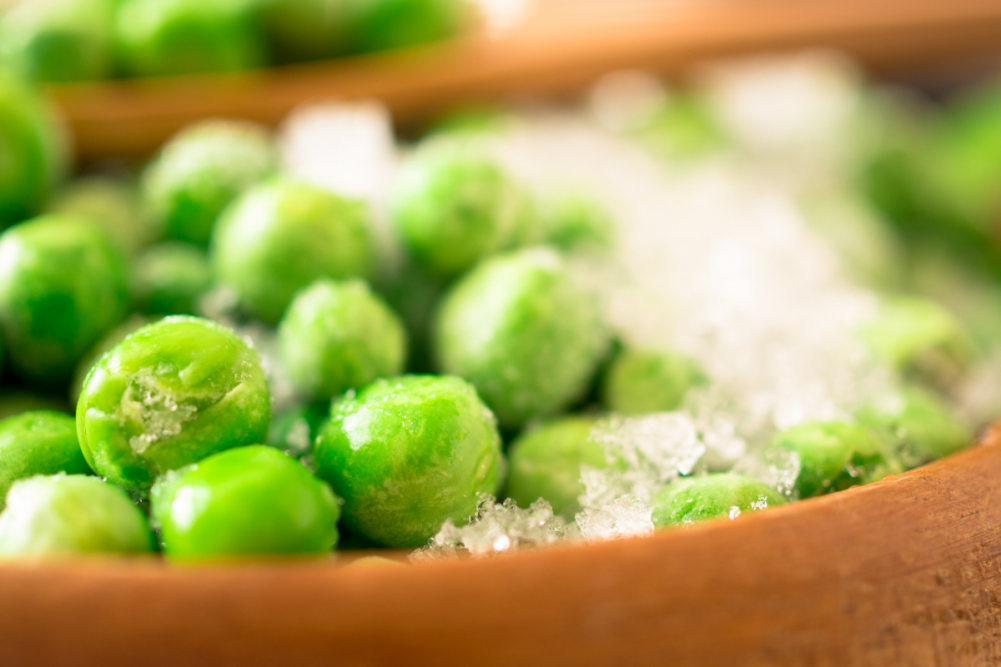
[903,572]
[565,45]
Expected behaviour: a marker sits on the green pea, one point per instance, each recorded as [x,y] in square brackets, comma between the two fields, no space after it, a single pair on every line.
[921,340]
[523,332]
[834,456]
[380,25]
[169,395]
[41,442]
[62,285]
[71,514]
[642,381]
[920,427]
[299,30]
[574,221]
[545,462]
[692,499]
[280,237]
[338,336]
[683,129]
[201,170]
[60,40]
[170,279]
[106,344]
[112,205]
[246,501]
[170,37]
[408,454]
[33,150]
[453,206]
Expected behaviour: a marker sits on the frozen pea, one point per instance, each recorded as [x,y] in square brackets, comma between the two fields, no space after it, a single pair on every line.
[642,381]
[171,37]
[573,221]
[62,285]
[201,170]
[280,237]
[33,150]
[60,40]
[545,462]
[380,25]
[692,499]
[834,456]
[112,205]
[523,332]
[453,205]
[919,426]
[41,442]
[407,454]
[107,343]
[71,514]
[170,279]
[246,501]
[167,396]
[920,339]
[299,30]
[338,336]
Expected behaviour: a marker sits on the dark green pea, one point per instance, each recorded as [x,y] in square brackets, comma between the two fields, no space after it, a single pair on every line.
[169,37]
[692,499]
[642,381]
[106,344]
[546,463]
[381,25]
[60,40]
[201,170]
[453,206]
[919,426]
[338,336]
[71,514]
[523,332]
[112,205]
[42,442]
[921,340]
[33,150]
[170,279]
[408,454]
[62,285]
[834,456]
[299,30]
[167,396]
[280,237]
[243,502]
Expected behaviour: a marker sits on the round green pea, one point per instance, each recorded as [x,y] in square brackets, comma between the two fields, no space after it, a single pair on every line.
[692,499]
[167,396]
[170,279]
[280,237]
[299,30]
[643,381]
[546,463]
[71,514]
[106,344]
[523,332]
[920,426]
[453,206]
[41,442]
[33,151]
[246,501]
[201,170]
[112,205]
[338,336]
[834,456]
[381,25]
[574,221]
[408,454]
[60,40]
[172,37]
[62,285]
[921,340]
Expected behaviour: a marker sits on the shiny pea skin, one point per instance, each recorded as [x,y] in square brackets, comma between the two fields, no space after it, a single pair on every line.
[40,442]
[167,396]
[66,515]
[408,454]
[690,499]
[643,381]
[243,502]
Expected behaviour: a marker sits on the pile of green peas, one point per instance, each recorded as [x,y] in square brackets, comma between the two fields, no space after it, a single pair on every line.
[176,444]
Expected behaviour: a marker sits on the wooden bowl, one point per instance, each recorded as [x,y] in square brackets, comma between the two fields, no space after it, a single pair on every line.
[903,572]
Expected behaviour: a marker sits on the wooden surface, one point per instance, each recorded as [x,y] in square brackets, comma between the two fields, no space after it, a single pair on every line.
[903,572]
[560,48]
